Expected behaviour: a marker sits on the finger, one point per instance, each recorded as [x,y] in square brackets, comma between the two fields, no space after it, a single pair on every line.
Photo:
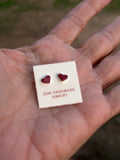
[102,43]
[113,97]
[71,26]
[109,70]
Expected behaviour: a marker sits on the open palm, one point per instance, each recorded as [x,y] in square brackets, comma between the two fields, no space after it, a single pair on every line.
[29,133]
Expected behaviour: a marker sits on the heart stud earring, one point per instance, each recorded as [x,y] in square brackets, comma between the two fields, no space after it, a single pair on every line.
[63,77]
[46,79]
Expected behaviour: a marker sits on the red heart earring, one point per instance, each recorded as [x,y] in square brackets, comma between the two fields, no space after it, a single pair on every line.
[63,77]
[46,79]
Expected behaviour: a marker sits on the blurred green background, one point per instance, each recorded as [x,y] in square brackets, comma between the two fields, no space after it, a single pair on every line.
[36,5]
[24,21]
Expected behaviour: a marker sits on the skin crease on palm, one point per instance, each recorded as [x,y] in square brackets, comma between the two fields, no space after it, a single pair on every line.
[29,133]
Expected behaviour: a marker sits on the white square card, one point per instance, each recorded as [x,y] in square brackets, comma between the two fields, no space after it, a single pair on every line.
[57,84]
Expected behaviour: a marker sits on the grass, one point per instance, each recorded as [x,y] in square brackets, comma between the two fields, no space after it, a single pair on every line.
[113,6]
[20,6]
[25,5]
[7,4]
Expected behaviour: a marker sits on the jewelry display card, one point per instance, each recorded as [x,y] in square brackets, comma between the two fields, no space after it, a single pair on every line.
[57,84]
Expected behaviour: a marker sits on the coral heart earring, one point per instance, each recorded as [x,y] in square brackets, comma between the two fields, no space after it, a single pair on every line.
[63,77]
[46,79]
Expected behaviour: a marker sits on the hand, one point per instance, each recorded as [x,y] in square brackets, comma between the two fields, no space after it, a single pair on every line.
[27,133]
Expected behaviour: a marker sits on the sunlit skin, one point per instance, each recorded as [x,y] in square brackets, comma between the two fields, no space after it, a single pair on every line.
[29,133]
